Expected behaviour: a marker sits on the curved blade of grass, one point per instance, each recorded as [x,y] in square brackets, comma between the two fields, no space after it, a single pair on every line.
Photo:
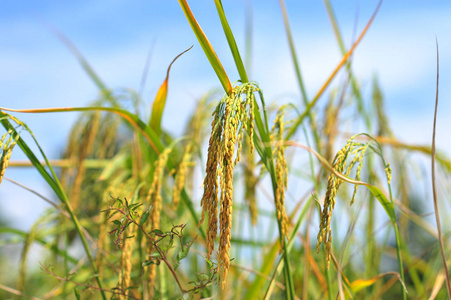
[434,188]
[232,43]
[332,76]
[207,47]
[132,119]
[160,99]
[360,284]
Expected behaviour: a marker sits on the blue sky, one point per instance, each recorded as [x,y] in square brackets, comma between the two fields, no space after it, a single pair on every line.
[38,71]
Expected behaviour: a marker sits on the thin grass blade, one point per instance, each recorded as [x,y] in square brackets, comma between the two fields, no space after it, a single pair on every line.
[434,188]
[160,99]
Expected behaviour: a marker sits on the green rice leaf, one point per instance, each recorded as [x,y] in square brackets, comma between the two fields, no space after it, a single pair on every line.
[232,43]
[207,47]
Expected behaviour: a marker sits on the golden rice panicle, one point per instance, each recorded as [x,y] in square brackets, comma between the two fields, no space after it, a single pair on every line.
[2,140]
[281,172]
[209,200]
[4,147]
[225,215]
[151,276]
[231,119]
[359,157]
[154,199]
[154,194]
[179,181]
[333,183]
[246,111]
[241,129]
[6,150]
[126,261]
[250,181]
[251,102]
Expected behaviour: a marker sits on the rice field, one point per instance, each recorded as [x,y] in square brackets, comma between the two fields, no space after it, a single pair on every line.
[255,200]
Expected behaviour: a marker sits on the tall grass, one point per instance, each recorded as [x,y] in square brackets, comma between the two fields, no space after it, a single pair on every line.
[128,194]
